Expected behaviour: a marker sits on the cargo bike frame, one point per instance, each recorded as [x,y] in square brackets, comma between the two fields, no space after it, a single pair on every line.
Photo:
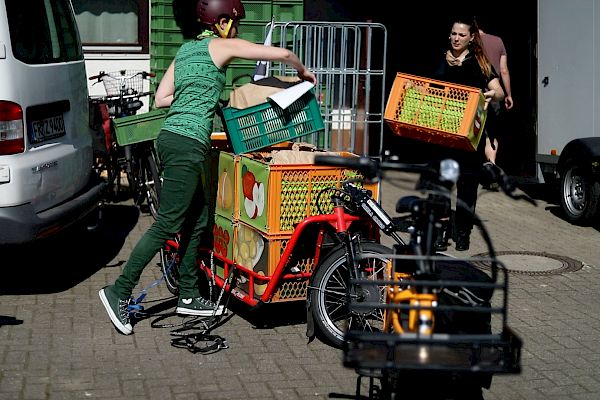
[313,265]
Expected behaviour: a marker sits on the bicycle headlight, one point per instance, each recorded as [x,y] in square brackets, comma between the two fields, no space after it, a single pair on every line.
[449,170]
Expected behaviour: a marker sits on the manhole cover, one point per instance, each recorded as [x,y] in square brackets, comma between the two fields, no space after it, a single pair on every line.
[532,263]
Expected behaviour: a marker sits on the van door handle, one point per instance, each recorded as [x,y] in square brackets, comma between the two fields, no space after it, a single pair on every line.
[545,81]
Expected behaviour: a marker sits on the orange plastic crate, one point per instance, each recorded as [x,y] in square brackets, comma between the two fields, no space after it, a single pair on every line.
[257,256]
[435,111]
[226,200]
[290,192]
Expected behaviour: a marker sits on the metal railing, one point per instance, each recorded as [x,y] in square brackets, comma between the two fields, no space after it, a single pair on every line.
[349,61]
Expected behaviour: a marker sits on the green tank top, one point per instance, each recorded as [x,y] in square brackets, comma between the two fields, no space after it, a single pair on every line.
[198,86]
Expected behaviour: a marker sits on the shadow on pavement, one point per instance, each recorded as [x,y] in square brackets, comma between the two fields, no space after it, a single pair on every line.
[59,263]
[6,320]
[268,316]
[540,191]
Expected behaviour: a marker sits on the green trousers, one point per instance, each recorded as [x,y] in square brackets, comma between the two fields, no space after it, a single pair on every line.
[182,209]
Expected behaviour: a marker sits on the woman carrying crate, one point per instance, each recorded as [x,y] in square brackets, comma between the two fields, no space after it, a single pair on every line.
[191,87]
[465,63]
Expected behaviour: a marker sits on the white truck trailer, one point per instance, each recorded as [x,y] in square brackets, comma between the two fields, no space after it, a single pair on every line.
[568,96]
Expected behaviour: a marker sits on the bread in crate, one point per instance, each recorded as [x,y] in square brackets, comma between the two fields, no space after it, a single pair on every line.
[436,111]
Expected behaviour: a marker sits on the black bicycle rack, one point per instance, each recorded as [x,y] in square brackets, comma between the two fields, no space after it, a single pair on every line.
[450,348]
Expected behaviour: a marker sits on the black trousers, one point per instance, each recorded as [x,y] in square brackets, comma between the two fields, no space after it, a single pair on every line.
[470,164]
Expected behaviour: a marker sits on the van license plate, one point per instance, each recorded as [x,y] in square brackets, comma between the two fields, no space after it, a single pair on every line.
[47,128]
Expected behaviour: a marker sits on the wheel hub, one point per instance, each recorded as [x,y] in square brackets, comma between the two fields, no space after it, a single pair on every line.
[366,293]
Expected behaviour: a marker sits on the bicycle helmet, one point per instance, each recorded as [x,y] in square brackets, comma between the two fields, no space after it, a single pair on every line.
[210,11]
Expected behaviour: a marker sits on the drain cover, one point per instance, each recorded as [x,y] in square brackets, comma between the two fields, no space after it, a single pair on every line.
[532,263]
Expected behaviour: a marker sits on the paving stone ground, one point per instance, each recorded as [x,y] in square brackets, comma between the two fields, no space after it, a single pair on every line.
[56,341]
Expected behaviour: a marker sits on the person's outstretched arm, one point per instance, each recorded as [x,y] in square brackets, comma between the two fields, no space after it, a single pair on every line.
[505,75]
[223,51]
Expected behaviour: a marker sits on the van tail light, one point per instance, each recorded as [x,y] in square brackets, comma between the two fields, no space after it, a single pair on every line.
[12,139]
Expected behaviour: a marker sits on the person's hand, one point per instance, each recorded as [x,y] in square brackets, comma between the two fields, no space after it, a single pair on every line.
[489,95]
[307,75]
[508,102]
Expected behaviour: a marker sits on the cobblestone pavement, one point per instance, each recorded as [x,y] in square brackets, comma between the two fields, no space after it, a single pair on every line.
[56,341]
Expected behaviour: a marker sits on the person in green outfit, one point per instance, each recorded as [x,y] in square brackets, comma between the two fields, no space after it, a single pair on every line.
[191,87]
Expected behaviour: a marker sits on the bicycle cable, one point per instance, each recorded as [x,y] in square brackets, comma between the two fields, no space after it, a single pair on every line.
[210,343]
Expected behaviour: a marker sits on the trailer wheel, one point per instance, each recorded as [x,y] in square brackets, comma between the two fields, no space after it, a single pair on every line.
[579,193]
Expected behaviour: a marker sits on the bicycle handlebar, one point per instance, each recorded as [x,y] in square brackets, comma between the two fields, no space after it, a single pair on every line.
[371,168]
[102,74]
[367,166]
[444,171]
[134,96]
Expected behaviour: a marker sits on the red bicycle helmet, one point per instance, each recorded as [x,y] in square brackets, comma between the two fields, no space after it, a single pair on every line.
[209,11]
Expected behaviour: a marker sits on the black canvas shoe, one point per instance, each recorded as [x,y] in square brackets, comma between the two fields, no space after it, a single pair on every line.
[462,242]
[117,310]
[198,306]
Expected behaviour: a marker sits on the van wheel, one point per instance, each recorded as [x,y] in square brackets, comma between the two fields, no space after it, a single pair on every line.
[92,220]
[579,193]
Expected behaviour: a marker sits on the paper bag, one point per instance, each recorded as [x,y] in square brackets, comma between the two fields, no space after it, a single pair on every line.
[254,93]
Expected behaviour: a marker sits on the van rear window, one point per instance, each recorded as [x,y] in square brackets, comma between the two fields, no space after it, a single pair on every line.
[43,31]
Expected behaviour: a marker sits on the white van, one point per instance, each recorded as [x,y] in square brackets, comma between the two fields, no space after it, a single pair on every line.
[46,176]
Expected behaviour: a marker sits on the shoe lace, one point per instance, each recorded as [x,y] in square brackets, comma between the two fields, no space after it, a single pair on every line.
[124,309]
[205,302]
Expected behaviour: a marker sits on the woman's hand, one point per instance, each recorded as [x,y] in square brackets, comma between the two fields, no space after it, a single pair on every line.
[489,96]
[307,75]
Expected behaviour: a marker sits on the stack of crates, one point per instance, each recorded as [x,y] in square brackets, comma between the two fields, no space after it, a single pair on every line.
[258,205]
[166,37]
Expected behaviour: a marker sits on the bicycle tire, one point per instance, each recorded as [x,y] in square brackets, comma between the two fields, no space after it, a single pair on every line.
[169,265]
[330,291]
[144,179]
[133,167]
[113,173]
[152,183]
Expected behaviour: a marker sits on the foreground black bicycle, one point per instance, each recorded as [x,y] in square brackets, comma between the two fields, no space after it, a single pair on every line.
[444,332]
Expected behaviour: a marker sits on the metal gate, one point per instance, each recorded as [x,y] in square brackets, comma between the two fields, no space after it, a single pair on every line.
[349,62]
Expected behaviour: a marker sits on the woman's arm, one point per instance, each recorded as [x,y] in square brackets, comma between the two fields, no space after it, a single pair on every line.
[494,91]
[223,51]
[164,93]
[505,74]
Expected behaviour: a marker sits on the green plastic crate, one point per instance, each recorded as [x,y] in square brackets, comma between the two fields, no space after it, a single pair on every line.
[257,11]
[139,128]
[260,126]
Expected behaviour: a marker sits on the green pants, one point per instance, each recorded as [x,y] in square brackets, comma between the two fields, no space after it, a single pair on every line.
[182,209]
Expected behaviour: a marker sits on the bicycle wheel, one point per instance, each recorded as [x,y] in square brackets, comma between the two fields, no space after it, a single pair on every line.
[169,265]
[144,179]
[331,291]
[151,183]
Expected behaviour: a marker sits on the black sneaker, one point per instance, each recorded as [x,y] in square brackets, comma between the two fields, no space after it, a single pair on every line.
[198,306]
[440,244]
[462,243]
[116,309]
